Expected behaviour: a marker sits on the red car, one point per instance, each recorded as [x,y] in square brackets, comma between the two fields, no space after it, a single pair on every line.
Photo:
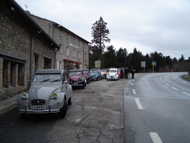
[77,78]
[86,74]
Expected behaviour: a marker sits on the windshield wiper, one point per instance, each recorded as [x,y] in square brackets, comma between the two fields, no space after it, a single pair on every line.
[55,80]
[45,80]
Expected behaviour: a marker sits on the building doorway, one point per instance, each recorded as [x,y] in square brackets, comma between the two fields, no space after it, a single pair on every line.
[47,63]
[21,74]
[5,73]
[13,74]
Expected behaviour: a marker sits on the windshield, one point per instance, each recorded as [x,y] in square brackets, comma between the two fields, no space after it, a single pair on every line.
[75,73]
[47,78]
[112,71]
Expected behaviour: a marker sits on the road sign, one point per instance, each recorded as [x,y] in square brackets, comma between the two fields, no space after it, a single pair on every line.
[153,63]
[98,64]
[143,64]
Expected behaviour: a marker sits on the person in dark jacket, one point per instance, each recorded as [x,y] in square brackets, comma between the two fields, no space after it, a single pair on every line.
[126,72]
[121,73]
[133,73]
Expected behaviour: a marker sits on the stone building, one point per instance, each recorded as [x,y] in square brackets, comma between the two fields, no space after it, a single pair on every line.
[24,48]
[74,50]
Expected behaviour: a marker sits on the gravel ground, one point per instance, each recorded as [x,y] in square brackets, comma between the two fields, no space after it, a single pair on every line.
[94,117]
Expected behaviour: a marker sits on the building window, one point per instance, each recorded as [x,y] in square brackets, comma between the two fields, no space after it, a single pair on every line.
[67,51]
[36,61]
[47,63]
[13,74]
[60,65]
[5,73]
[21,72]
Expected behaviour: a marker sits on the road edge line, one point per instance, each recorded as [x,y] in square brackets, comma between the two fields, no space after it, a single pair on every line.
[155,137]
[138,103]
[123,113]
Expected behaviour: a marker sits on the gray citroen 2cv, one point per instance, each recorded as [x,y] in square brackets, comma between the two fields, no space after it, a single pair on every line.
[50,92]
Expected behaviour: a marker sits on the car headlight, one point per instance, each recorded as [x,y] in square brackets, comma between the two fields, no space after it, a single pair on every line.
[53,96]
[24,96]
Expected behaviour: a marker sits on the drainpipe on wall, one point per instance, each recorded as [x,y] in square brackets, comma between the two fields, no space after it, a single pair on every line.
[83,57]
[30,66]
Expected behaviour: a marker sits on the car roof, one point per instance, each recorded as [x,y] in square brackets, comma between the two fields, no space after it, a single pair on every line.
[75,70]
[51,71]
[113,69]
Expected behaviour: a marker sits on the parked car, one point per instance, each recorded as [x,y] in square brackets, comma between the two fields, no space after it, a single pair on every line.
[112,74]
[95,75]
[103,73]
[86,74]
[121,72]
[49,92]
[77,78]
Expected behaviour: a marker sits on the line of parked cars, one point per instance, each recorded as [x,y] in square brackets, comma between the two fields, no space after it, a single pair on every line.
[80,78]
[51,90]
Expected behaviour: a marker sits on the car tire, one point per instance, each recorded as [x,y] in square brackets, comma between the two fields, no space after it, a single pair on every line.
[63,110]
[70,101]
[83,85]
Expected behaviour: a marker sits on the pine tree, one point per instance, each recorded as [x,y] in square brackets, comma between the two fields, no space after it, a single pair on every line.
[100,34]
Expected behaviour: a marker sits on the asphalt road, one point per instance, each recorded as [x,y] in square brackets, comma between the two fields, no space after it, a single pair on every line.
[157,109]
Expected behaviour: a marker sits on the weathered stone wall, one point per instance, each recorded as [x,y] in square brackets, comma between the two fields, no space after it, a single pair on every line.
[1,72]
[17,43]
[72,47]
[43,51]
[44,24]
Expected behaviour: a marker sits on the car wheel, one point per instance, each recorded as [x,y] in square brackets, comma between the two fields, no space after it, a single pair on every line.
[83,86]
[63,110]
[70,101]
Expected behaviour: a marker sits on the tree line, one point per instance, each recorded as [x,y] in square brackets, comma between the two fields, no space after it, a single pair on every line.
[110,57]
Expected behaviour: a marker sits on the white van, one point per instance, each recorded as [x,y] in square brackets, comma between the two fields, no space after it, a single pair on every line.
[112,74]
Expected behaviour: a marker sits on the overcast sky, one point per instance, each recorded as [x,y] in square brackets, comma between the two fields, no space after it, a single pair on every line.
[148,25]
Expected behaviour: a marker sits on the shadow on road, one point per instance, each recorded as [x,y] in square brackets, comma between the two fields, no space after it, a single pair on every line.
[32,129]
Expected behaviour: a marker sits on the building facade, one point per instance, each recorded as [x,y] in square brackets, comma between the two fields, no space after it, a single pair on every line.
[24,48]
[74,50]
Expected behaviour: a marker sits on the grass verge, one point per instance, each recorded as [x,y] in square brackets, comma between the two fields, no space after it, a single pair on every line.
[186,77]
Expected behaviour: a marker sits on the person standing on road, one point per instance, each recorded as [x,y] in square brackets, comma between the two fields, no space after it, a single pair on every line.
[121,74]
[133,73]
[126,72]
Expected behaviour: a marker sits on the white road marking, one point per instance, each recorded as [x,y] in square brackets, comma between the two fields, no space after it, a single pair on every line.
[186,93]
[134,91]
[155,137]
[167,84]
[131,83]
[138,103]
[174,88]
